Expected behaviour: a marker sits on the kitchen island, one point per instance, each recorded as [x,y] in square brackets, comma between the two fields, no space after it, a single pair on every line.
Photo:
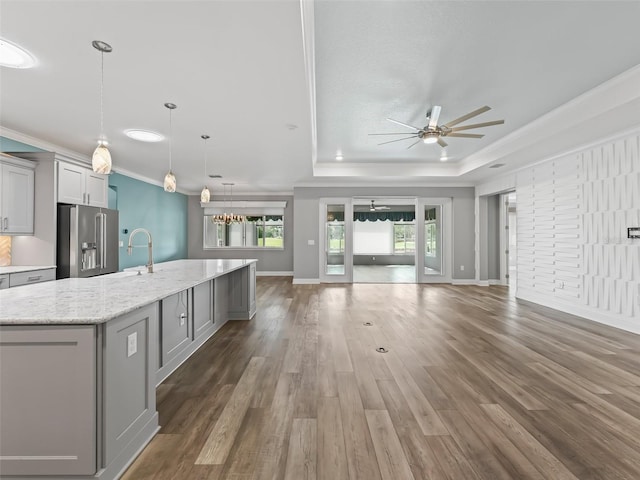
[80,360]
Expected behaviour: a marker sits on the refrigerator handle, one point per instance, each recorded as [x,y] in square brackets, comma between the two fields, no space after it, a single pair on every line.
[99,245]
[104,241]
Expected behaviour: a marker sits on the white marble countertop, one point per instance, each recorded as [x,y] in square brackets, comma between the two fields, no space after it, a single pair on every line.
[99,299]
[24,268]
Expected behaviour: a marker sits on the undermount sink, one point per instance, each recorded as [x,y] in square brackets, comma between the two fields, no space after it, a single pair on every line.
[134,272]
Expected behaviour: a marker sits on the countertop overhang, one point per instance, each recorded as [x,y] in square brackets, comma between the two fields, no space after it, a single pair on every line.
[99,299]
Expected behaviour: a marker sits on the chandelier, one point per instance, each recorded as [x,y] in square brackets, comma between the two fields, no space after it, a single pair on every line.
[227,218]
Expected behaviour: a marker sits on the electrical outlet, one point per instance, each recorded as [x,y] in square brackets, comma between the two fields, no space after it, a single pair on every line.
[462,268]
[373,258]
[132,344]
[311,242]
[121,244]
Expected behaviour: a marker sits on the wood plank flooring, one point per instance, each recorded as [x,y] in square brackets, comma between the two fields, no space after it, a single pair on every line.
[475,385]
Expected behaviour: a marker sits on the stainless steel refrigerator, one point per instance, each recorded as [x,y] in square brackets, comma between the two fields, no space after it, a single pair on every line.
[87,241]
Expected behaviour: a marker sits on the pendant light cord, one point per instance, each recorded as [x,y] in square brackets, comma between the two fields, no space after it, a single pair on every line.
[170,138]
[102,98]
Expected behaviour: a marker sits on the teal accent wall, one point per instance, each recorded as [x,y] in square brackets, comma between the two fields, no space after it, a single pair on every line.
[148,206]
[8,145]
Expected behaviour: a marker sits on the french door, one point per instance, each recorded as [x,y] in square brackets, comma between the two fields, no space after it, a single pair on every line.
[336,240]
[434,240]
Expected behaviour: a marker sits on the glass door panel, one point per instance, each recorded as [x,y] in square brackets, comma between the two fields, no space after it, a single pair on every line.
[335,240]
[335,248]
[433,240]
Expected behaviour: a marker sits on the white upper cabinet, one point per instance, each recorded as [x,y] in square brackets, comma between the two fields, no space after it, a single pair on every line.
[81,186]
[16,198]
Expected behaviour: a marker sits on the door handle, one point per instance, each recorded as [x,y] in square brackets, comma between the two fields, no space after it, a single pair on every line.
[34,279]
[98,239]
[5,223]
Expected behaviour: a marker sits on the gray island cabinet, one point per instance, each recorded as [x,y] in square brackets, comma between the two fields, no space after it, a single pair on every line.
[80,360]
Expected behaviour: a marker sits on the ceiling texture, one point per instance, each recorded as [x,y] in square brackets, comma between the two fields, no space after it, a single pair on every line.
[282,87]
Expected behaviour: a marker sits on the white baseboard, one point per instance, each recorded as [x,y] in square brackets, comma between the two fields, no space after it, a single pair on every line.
[590,313]
[306,281]
[273,274]
[482,283]
[496,282]
[469,281]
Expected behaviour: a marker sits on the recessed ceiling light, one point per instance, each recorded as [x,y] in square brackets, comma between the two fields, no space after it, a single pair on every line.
[215,175]
[291,126]
[497,165]
[144,135]
[339,157]
[14,56]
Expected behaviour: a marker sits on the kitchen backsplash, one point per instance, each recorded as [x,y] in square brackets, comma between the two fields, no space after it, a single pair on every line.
[5,251]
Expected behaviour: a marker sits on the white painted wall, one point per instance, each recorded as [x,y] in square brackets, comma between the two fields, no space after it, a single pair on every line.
[572,219]
[373,237]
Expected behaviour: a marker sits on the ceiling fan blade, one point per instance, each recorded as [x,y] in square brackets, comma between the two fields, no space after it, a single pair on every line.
[467,116]
[465,135]
[434,115]
[404,124]
[419,140]
[478,125]
[395,133]
[399,139]
[441,142]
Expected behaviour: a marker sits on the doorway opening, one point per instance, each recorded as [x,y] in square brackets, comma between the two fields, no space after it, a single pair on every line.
[508,241]
[384,241]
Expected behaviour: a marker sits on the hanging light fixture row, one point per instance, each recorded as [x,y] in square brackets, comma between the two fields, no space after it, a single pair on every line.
[227,218]
[170,179]
[101,158]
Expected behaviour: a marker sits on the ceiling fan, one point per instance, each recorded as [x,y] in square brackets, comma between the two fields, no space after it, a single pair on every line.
[433,133]
[373,207]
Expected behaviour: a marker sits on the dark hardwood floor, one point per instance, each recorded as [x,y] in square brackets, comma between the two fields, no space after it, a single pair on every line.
[475,385]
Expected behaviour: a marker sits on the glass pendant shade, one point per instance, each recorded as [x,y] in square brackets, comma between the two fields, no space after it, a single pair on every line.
[101,160]
[205,195]
[170,182]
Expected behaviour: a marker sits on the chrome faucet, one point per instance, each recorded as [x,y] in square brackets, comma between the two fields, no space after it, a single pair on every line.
[150,245]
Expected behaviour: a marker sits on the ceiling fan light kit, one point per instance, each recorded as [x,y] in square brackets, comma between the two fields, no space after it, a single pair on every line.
[434,133]
[101,158]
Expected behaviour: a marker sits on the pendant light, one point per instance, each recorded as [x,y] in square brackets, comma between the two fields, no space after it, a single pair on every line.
[170,178]
[101,159]
[205,195]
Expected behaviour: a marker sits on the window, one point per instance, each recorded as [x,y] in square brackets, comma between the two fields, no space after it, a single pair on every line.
[335,237]
[404,238]
[263,231]
[430,239]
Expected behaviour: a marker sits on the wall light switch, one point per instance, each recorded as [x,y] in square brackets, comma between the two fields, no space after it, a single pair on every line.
[462,268]
[132,344]
[121,244]
[311,242]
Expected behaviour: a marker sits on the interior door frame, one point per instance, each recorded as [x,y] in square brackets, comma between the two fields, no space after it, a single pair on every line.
[347,277]
[446,239]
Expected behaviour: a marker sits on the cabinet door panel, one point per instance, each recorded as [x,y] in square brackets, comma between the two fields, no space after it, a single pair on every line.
[174,326]
[48,400]
[96,189]
[202,308]
[71,184]
[17,199]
